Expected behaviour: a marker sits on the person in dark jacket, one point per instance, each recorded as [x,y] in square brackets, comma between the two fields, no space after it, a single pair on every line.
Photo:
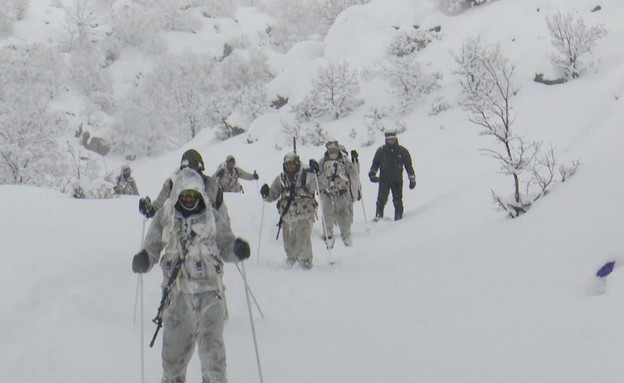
[390,159]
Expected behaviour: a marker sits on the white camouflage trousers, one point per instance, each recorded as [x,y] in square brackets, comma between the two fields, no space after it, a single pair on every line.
[194,319]
[297,242]
[337,209]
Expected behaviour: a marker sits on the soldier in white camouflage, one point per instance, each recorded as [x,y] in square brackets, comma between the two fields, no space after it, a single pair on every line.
[190,240]
[228,173]
[294,191]
[339,187]
[124,182]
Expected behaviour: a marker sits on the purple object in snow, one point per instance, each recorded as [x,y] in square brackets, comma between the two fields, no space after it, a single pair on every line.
[605,270]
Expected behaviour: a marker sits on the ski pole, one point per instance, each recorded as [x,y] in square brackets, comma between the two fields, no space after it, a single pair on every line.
[249,288]
[322,214]
[357,172]
[253,326]
[139,301]
[260,232]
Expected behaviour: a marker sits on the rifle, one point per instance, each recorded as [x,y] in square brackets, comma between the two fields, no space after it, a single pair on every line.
[158,320]
[291,197]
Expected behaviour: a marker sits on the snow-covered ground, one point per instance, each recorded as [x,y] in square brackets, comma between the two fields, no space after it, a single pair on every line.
[455,292]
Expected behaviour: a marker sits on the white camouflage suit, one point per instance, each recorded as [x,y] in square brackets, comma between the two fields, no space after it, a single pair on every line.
[298,221]
[195,312]
[228,178]
[339,186]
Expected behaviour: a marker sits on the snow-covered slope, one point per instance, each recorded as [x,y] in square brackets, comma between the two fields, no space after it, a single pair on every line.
[456,292]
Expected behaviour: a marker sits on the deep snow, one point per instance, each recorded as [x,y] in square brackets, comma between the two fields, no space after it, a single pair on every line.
[456,292]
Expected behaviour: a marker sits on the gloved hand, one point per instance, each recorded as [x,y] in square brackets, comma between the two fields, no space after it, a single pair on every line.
[220,173]
[241,249]
[354,156]
[146,208]
[605,270]
[140,262]
[373,178]
[264,190]
[314,166]
[412,183]
[255,175]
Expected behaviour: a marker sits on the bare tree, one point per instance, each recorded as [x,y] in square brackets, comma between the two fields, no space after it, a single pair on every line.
[487,81]
[573,40]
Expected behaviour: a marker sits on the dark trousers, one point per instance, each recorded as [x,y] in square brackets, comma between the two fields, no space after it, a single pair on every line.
[397,197]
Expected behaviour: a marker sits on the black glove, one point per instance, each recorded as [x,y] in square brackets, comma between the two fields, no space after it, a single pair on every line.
[373,178]
[314,166]
[412,183]
[354,156]
[140,262]
[220,173]
[255,175]
[241,249]
[264,190]
[146,208]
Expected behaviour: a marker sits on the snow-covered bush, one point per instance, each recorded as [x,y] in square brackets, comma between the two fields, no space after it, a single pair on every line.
[408,80]
[176,16]
[377,122]
[12,11]
[186,93]
[6,24]
[573,40]
[404,72]
[304,19]
[487,81]
[334,93]
[407,43]
[29,153]
[167,108]
[215,8]
[305,133]
[455,6]
[86,179]
[90,78]
[138,25]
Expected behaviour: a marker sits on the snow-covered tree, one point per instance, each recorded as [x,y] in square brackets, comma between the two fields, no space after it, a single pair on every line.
[89,76]
[80,24]
[138,25]
[488,84]
[334,93]
[408,80]
[404,72]
[186,93]
[573,40]
[32,76]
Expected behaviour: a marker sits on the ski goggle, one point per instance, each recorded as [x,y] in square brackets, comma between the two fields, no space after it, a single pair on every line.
[291,166]
[190,194]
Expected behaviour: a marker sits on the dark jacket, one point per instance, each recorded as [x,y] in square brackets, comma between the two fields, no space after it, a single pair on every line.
[390,161]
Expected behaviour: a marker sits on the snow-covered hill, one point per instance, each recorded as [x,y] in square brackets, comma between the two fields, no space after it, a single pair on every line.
[455,292]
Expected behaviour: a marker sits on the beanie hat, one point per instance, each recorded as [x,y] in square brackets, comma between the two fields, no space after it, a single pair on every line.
[192,159]
[390,134]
